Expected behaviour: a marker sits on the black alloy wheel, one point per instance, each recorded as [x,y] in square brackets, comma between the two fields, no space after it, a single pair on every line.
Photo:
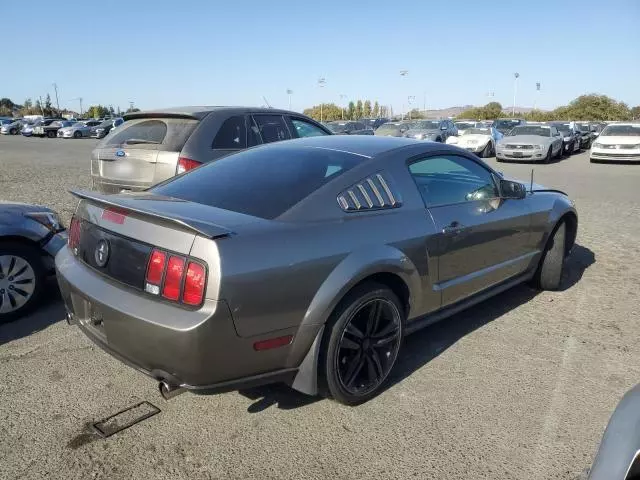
[77,134]
[363,344]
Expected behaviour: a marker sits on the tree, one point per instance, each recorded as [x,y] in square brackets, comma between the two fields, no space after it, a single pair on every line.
[48,110]
[376,110]
[97,111]
[384,111]
[27,104]
[492,110]
[367,109]
[132,110]
[112,112]
[330,112]
[358,110]
[351,110]
[635,113]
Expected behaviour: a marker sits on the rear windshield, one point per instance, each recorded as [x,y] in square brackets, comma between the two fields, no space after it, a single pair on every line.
[171,133]
[263,182]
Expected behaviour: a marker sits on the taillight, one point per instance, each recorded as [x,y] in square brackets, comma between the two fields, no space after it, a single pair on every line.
[167,275]
[155,271]
[173,279]
[185,164]
[74,234]
[194,284]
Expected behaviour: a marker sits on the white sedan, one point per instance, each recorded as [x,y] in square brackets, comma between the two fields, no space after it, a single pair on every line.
[479,140]
[618,142]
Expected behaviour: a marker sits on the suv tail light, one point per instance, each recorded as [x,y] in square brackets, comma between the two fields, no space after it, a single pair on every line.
[185,164]
[167,275]
[74,234]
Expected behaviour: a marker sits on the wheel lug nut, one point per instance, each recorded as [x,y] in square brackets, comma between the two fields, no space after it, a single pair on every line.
[11,287]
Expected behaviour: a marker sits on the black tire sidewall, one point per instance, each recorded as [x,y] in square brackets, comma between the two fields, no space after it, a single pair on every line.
[551,267]
[33,256]
[77,135]
[328,376]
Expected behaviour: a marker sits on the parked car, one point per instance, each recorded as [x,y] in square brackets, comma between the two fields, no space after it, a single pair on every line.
[530,142]
[42,128]
[479,140]
[27,130]
[463,125]
[77,130]
[102,129]
[571,136]
[374,123]
[226,276]
[393,129]
[618,456]
[153,146]
[618,142]
[6,121]
[12,128]
[348,127]
[504,125]
[30,236]
[585,131]
[434,130]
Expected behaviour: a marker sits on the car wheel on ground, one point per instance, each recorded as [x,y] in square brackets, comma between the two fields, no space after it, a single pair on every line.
[361,343]
[22,274]
[549,273]
[77,134]
[13,131]
[51,134]
[547,159]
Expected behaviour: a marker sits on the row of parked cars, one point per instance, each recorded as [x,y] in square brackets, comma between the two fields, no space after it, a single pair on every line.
[142,273]
[59,127]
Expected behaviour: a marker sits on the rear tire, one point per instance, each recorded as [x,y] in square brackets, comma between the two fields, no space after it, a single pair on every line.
[22,278]
[549,273]
[51,134]
[361,344]
[13,131]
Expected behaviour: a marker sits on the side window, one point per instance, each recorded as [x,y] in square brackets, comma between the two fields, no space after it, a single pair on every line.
[306,129]
[232,134]
[449,179]
[272,128]
[253,134]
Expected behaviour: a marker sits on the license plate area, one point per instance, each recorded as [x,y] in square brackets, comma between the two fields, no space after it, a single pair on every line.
[517,154]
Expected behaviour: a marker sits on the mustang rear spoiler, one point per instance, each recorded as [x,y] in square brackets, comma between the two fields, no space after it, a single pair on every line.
[136,204]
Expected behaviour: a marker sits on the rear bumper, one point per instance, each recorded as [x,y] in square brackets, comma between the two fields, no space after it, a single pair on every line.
[105,186]
[198,350]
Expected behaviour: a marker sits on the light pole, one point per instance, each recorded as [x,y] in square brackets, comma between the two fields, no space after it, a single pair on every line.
[289,92]
[535,103]
[410,100]
[515,90]
[404,74]
[55,87]
[321,83]
[342,97]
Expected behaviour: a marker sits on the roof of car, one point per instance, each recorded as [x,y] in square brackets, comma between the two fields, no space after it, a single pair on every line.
[364,145]
[199,112]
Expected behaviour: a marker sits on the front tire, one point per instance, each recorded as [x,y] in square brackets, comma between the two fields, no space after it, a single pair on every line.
[549,273]
[77,135]
[51,134]
[361,343]
[13,131]
[22,275]
[547,159]
[486,151]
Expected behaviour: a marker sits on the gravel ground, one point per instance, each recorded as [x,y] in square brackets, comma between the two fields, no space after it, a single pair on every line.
[519,387]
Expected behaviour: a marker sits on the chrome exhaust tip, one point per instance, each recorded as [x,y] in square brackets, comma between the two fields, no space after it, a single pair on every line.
[168,391]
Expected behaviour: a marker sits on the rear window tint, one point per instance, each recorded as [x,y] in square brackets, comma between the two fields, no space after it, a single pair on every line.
[171,133]
[263,182]
[232,134]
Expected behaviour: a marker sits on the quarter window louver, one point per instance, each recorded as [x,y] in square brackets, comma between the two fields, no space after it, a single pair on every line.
[372,193]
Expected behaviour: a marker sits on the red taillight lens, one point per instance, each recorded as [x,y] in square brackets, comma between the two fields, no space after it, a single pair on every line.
[173,279]
[194,284]
[74,233]
[272,343]
[114,215]
[156,267]
[185,164]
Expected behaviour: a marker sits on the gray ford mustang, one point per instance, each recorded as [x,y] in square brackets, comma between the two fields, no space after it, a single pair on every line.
[303,262]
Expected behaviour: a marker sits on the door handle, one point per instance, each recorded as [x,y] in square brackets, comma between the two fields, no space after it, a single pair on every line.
[453,228]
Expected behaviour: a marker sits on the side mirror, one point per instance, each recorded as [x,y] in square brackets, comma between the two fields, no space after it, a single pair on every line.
[513,190]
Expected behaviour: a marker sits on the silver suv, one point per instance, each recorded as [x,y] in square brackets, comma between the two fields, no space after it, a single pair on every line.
[150,147]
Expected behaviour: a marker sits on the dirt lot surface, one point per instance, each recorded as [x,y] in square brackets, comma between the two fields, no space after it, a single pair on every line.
[520,387]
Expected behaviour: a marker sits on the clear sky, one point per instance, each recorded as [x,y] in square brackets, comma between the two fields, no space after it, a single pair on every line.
[167,53]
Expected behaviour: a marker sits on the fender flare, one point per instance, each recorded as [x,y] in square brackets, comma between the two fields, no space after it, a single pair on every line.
[354,268]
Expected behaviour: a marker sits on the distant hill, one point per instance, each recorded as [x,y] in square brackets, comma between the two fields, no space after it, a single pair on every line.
[455,111]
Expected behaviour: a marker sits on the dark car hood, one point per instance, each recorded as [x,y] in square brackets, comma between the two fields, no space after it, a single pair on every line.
[17,207]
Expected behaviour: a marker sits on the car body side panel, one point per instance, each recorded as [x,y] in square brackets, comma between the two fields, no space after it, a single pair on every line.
[293,274]
[546,209]
[621,440]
